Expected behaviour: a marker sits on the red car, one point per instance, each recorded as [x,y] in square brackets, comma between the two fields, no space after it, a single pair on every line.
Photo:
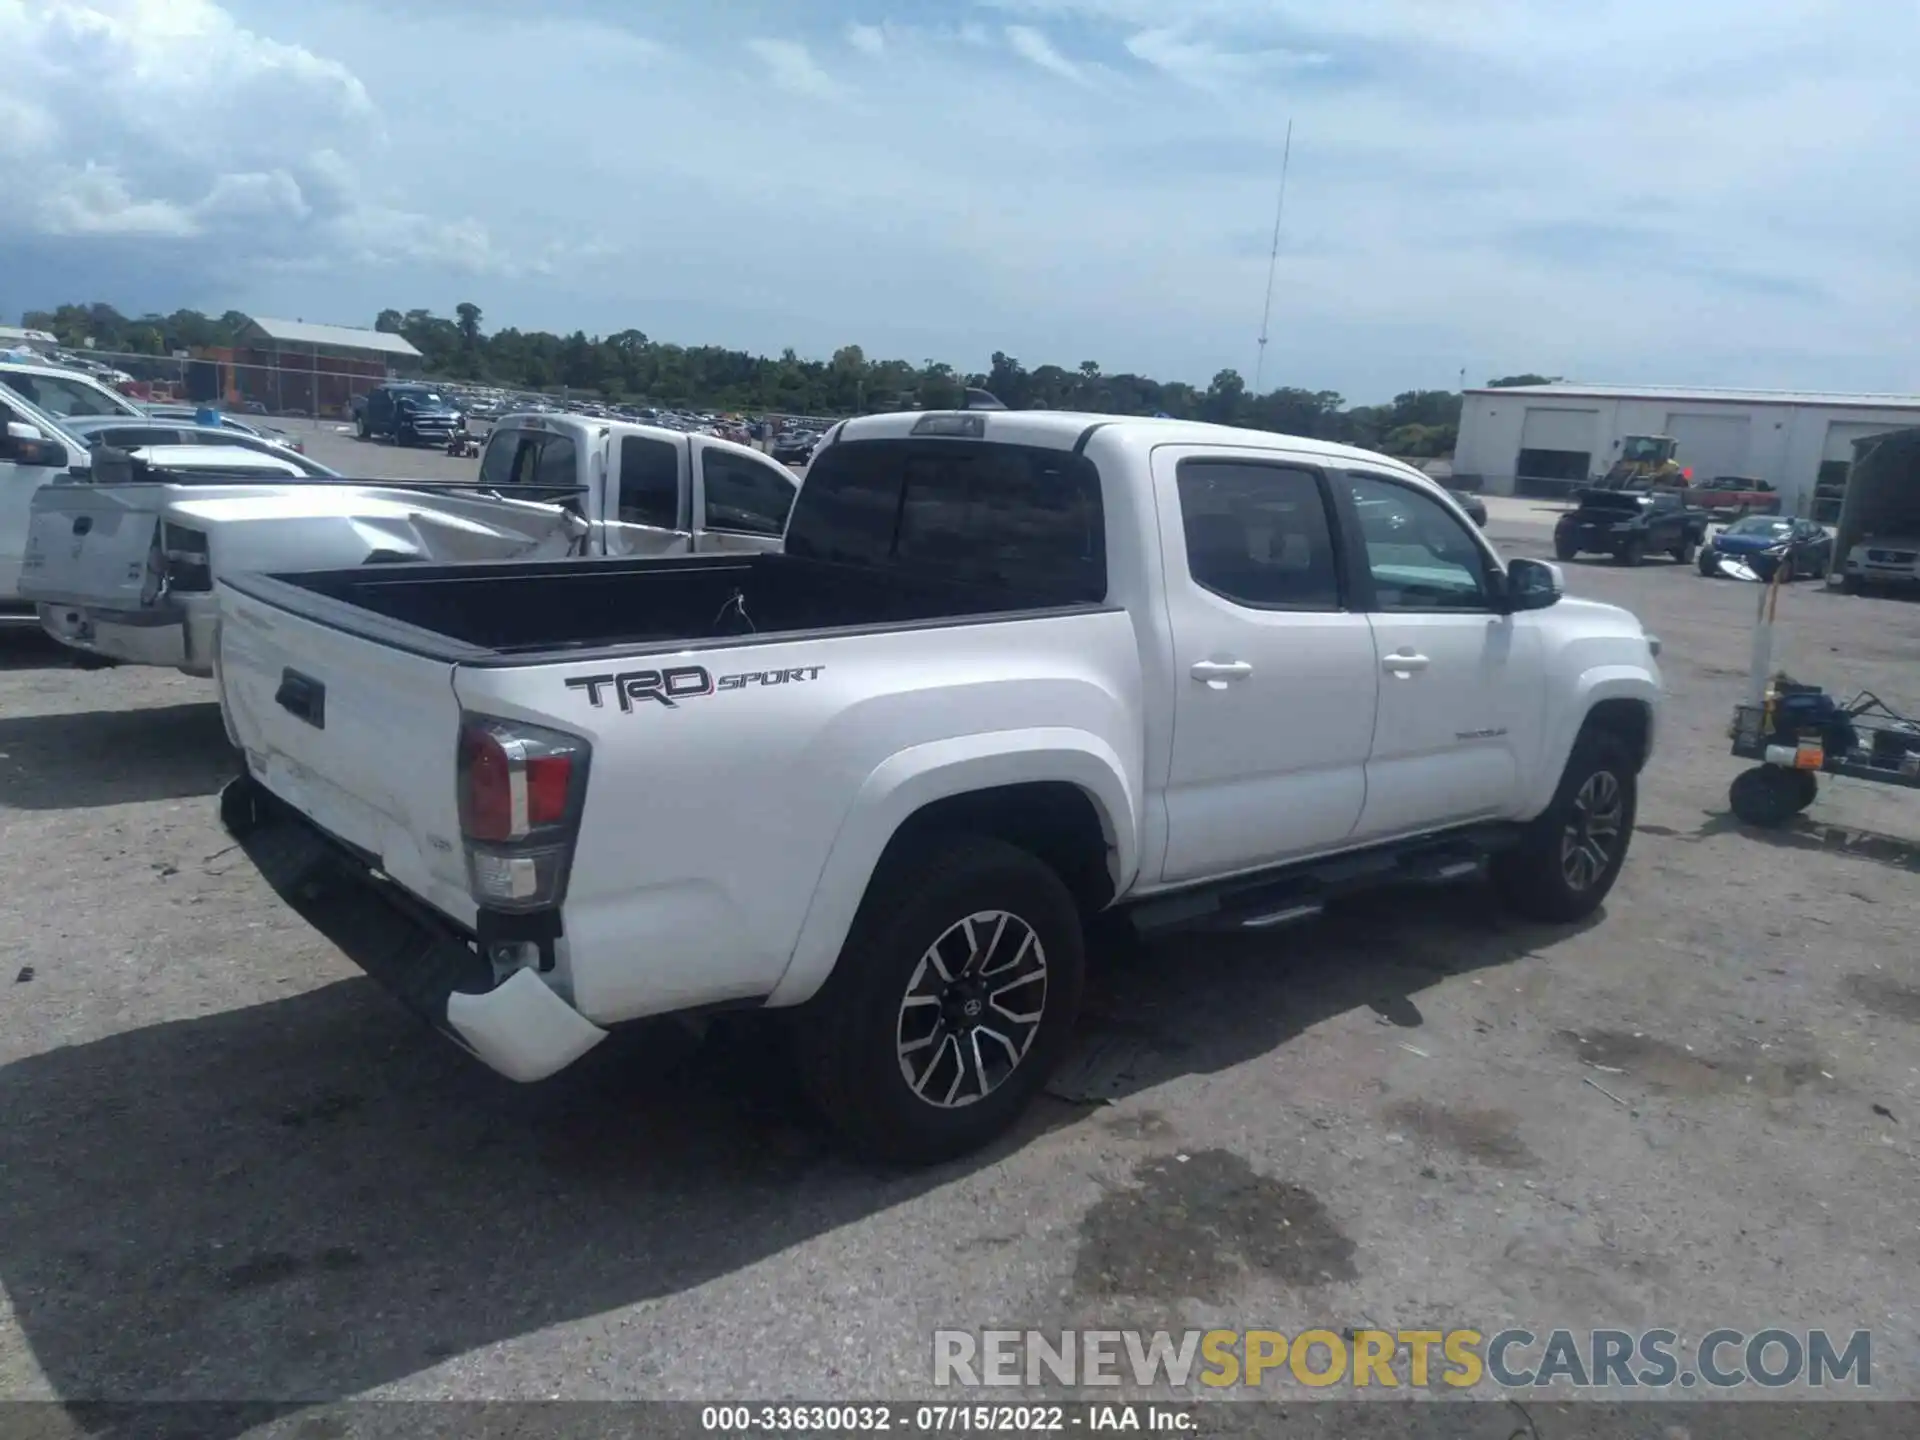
[1736,492]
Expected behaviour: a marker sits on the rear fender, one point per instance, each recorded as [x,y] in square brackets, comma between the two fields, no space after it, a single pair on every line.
[915,778]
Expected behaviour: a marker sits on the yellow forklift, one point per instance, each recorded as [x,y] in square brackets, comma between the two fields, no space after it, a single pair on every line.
[1647,462]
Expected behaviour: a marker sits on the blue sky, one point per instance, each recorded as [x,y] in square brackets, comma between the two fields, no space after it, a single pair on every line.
[1619,190]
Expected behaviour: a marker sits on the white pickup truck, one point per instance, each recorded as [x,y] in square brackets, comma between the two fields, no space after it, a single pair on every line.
[1011,672]
[126,570]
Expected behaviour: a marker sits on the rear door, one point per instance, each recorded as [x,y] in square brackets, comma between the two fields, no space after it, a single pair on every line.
[1460,683]
[649,497]
[1275,667]
[741,498]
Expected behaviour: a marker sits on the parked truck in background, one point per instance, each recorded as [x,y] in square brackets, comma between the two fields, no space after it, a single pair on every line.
[1630,525]
[125,569]
[1011,673]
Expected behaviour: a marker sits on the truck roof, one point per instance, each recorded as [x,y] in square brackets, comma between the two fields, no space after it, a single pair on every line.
[1062,430]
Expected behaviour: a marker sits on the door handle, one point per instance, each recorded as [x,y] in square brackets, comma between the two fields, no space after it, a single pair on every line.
[1216,673]
[1405,664]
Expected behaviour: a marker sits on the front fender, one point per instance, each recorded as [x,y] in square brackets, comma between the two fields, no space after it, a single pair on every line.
[914,778]
[1599,683]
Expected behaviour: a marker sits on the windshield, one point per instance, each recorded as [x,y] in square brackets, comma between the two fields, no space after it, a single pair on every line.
[1641,447]
[421,397]
[65,395]
[1758,525]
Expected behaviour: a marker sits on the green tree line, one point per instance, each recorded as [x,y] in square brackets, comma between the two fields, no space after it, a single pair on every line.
[629,365]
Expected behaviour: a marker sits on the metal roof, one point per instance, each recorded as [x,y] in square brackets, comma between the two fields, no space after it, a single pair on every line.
[1815,398]
[345,337]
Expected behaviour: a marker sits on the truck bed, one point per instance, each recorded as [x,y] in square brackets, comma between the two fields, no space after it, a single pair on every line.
[519,611]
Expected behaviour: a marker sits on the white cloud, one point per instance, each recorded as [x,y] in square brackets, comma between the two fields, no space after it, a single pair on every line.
[867,39]
[1034,47]
[165,119]
[1207,65]
[793,68]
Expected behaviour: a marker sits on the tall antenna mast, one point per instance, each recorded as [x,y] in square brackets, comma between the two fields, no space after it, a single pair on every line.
[1273,261]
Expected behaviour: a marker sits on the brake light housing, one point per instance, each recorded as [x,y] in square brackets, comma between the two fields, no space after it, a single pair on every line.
[522,789]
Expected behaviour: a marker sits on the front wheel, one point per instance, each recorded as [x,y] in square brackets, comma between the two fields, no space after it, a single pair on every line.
[1564,549]
[364,430]
[1570,855]
[1684,551]
[952,1000]
[1709,563]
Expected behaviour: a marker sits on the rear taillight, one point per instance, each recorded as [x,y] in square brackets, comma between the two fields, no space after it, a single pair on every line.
[521,792]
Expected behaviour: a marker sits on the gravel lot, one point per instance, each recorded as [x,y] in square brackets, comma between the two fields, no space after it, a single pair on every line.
[231,1168]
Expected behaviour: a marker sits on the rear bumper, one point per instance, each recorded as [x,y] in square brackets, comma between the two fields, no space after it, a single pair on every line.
[178,634]
[519,1027]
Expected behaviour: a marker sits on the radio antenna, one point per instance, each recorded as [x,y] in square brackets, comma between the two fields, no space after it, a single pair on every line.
[1273,261]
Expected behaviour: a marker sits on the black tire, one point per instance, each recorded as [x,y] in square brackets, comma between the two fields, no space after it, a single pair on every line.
[364,431]
[1683,552]
[1632,552]
[1564,549]
[1771,795]
[1709,563]
[1538,878]
[848,1037]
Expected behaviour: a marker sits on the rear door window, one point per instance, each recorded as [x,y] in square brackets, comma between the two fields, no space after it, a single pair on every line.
[1258,534]
[745,497]
[649,482]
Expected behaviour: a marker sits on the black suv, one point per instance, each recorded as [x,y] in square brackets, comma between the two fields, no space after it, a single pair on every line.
[410,415]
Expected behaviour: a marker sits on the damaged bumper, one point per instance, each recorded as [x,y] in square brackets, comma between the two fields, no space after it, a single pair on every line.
[519,1027]
[178,635]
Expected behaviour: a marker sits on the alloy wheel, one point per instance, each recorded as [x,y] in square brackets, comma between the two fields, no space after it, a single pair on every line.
[1588,843]
[972,1010]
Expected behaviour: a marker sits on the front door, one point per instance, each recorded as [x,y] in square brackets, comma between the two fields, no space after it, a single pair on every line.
[1460,683]
[1274,673]
[742,499]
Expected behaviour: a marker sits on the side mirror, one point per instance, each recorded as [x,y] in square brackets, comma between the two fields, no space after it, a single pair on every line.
[26,446]
[1533,585]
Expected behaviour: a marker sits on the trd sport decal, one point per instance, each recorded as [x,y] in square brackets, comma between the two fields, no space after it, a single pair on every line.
[680,682]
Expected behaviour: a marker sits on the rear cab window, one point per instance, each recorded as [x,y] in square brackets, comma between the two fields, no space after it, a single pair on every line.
[529,457]
[1014,517]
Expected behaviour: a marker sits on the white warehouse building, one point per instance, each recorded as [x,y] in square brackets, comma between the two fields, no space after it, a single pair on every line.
[1546,439]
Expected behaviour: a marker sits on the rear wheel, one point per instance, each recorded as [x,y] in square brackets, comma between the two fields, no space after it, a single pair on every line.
[364,431]
[952,1000]
[1569,857]
[1769,795]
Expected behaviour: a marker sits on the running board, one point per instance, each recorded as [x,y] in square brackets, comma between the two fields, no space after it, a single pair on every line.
[1302,892]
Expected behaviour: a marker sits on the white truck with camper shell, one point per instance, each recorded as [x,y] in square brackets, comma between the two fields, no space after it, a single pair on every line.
[1011,673]
[122,563]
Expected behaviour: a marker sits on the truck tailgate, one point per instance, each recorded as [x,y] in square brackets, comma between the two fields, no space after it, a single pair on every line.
[359,737]
[89,544]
